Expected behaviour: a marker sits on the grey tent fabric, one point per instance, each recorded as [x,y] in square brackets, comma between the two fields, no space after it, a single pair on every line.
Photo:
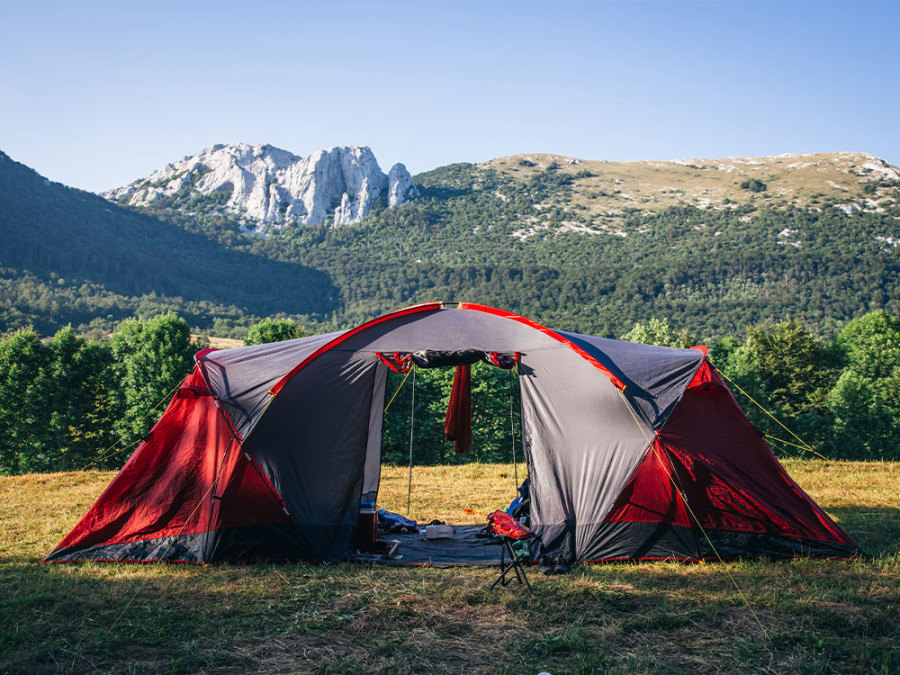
[654,377]
[582,436]
[312,443]
[608,427]
[241,378]
[581,442]
[449,330]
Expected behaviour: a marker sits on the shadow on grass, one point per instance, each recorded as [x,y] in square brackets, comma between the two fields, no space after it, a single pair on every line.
[875,528]
[303,617]
[819,615]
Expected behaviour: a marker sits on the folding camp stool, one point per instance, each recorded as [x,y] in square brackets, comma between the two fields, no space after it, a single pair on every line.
[514,563]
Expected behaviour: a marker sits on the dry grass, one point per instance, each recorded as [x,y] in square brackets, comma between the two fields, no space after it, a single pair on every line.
[837,484]
[217,342]
[812,615]
[461,495]
[40,509]
[649,186]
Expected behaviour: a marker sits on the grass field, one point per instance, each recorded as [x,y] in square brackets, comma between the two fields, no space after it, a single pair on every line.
[808,615]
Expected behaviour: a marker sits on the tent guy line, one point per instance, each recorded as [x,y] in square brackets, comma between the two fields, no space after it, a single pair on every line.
[634,452]
[803,444]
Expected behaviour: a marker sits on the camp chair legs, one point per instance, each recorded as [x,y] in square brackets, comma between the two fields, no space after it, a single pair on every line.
[514,565]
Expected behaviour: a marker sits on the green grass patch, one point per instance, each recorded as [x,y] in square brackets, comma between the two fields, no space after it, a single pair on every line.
[818,616]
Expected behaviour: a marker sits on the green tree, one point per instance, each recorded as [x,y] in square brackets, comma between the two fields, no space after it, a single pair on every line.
[24,413]
[273,330]
[862,427]
[81,396]
[491,428]
[658,332]
[865,401]
[871,345]
[754,185]
[152,357]
[723,351]
[790,372]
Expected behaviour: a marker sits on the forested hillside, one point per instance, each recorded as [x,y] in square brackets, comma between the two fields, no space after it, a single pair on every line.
[68,256]
[799,299]
[522,241]
[711,270]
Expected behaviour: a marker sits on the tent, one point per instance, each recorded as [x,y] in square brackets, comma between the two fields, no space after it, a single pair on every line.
[635,452]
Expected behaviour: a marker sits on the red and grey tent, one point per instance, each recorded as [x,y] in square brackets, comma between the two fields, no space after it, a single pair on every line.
[635,452]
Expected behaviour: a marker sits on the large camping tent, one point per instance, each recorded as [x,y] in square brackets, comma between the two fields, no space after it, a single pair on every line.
[634,451]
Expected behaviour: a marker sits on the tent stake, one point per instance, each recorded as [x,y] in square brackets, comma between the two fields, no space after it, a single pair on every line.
[412,427]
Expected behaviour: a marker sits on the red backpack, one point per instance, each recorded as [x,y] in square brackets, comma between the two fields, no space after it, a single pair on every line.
[505,525]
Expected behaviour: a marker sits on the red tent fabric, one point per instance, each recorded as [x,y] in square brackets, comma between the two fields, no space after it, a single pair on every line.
[186,481]
[698,476]
[634,451]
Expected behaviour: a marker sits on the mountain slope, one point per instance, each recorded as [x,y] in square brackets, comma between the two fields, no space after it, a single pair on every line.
[601,193]
[714,271]
[512,233]
[49,231]
[270,189]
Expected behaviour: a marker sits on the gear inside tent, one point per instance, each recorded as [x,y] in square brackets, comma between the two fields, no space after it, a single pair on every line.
[634,452]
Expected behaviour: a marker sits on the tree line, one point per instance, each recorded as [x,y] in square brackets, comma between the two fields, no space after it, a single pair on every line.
[71,403]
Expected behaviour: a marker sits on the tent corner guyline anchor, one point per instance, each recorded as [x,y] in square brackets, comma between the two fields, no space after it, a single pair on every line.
[666,465]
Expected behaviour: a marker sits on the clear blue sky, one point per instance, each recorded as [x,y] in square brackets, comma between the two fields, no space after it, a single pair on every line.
[97,94]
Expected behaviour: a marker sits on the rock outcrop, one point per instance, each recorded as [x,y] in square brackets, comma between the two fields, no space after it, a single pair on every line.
[270,188]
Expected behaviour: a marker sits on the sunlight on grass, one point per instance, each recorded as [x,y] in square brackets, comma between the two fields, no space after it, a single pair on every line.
[804,614]
[461,494]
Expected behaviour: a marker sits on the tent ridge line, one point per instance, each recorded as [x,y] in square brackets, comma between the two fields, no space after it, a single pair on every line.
[424,307]
[687,387]
[549,332]
[201,367]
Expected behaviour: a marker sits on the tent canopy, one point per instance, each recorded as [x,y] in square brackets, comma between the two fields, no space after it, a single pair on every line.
[634,451]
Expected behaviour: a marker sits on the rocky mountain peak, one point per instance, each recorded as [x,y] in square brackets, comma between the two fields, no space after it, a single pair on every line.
[271,188]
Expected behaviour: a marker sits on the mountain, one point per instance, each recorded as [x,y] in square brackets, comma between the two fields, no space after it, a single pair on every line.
[525,238]
[270,189]
[71,256]
[715,246]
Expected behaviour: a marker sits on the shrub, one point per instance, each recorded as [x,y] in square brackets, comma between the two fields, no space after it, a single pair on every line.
[754,185]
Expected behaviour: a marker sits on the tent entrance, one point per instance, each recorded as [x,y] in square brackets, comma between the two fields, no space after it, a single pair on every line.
[495,411]
[417,397]
[459,495]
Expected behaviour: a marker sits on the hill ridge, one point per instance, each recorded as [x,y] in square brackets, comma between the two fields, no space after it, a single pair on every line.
[512,234]
[605,191]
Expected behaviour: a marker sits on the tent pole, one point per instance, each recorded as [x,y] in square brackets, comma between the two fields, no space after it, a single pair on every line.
[215,485]
[512,428]
[412,427]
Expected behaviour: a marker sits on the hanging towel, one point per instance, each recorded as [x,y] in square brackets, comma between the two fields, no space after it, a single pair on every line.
[458,422]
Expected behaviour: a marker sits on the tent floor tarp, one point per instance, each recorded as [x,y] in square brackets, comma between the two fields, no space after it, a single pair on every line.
[463,549]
